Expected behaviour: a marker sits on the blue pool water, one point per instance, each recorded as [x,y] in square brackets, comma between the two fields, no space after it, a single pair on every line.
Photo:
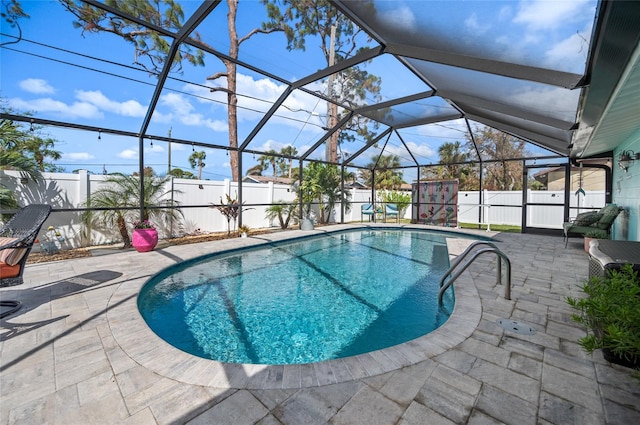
[302,301]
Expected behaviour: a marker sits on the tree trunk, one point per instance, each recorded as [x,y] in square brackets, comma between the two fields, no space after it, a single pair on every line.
[333,140]
[281,220]
[332,149]
[232,85]
[122,228]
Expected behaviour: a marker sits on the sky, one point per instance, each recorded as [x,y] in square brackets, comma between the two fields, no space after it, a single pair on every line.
[56,72]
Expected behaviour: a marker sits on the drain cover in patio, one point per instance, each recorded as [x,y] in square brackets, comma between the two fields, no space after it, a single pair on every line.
[515,326]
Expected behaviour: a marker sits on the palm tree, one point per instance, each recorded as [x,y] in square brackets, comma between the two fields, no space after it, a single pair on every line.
[321,183]
[282,211]
[179,173]
[289,151]
[40,149]
[270,158]
[256,170]
[12,136]
[387,177]
[451,155]
[27,167]
[196,159]
[117,203]
[453,165]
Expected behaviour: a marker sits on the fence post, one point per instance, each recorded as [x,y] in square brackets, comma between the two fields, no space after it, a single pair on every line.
[83,187]
[227,186]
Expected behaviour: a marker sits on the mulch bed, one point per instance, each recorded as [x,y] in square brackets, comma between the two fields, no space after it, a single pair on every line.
[69,254]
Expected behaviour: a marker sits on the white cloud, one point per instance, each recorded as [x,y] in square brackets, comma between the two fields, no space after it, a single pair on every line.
[472,24]
[178,147]
[255,97]
[129,108]
[505,13]
[422,150]
[572,50]
[77,156]
[89,104]
[128,154]
[545,14]
[182,111]
[156,148]
[402,17]
[177,103]
[556,102]
[149,149]
[37,86]
[270,144]
[48,105]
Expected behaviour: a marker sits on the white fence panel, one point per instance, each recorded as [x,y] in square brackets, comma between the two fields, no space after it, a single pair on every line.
[203,219]
[70,191]
[589,201]
[548,216]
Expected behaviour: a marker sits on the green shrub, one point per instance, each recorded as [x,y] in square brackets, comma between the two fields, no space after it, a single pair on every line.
[401,199]
[611,313]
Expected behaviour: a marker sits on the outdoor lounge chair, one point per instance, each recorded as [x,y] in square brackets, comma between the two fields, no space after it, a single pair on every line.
[596,223]
[391,210]
[366,209]
[16,240]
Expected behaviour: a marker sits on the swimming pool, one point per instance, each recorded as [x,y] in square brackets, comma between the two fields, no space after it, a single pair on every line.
[302,301]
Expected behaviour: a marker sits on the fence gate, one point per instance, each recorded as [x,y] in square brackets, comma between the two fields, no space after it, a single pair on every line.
[543,197]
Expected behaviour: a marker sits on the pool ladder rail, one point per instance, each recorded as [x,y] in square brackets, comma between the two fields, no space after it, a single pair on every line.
[458,271]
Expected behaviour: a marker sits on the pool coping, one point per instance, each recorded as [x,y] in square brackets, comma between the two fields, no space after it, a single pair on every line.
[142,345]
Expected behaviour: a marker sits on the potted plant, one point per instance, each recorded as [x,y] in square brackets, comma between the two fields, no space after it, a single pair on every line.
[611,314]
[116,205]
[144,237]
[593,234]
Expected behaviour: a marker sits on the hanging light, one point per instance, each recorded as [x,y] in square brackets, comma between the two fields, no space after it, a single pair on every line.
[626,158]
[99,134]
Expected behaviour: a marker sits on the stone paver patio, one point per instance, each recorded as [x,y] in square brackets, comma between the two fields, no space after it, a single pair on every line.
[79,353]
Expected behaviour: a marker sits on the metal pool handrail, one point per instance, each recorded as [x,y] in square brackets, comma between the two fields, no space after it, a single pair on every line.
[453,276]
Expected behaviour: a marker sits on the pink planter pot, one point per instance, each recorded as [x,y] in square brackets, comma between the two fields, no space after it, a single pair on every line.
[144,240]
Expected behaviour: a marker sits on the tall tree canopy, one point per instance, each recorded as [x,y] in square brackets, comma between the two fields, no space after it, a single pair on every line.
[147,43]
[289,151]
[386,174]
[25,147]
[196,159]
[337,35]
[270,159]
[11,12]
[154,47]
[495,145]
[495,148]
[451,166]
[321,183]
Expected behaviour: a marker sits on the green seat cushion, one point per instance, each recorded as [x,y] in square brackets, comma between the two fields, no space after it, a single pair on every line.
[587,218]
[609,213]
[593,231]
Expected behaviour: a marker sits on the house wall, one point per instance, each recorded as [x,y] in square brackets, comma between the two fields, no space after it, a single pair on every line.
[626,192]
[592,179]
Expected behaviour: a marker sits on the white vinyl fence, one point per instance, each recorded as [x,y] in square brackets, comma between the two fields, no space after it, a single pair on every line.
[505,207]
[70,191]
